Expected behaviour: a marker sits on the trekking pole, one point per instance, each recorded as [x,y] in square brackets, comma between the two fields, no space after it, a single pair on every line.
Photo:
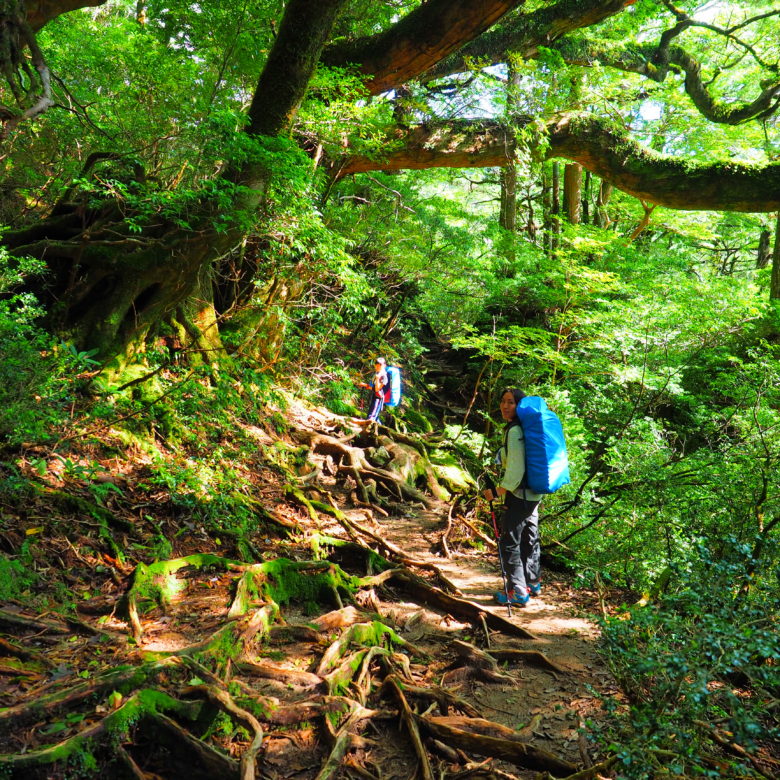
[492,488]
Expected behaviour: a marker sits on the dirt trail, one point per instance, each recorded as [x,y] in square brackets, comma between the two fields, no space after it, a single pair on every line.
[551,708]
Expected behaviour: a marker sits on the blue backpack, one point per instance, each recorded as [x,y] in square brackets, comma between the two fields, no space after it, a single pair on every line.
[393,389]
[546,459]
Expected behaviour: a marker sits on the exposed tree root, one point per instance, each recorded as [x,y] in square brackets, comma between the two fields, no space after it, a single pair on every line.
[492,739]
[530,657]
[65,627]
[467,610]
[137,706]
[194,753]
[271,671]
[353,462]
[411,725]
[395,552]
[481,664]
[225,701]
[122,679]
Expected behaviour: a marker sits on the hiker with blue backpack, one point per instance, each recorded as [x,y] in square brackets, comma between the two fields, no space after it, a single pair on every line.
[533,457]
[385,388]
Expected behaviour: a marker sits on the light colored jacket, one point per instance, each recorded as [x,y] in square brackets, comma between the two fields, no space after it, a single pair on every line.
[512,458]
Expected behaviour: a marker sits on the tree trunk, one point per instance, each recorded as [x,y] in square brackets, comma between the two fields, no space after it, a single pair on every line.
[586,198]
[111,287]
[556,206]
[602,215]
[572,192]
[508,214]
[774,289]
[764,254]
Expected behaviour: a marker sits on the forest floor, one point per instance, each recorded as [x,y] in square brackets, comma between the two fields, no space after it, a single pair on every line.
[551,700]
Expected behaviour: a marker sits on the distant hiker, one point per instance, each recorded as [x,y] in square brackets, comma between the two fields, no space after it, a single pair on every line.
[519,540]
[377,387]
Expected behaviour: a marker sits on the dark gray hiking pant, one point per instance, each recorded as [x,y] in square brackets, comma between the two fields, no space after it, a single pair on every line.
[520,543]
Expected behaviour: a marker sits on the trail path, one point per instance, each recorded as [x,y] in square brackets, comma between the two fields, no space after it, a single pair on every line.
[551,709]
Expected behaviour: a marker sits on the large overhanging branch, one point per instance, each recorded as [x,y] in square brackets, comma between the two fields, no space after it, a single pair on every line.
[612,155]
[432,31]
[39,12]
[525,32]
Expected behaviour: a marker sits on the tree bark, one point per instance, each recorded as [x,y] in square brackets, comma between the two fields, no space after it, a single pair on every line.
[572,192]
[774,289]
[418,41]
[764,254]
[39,12]
[526,32]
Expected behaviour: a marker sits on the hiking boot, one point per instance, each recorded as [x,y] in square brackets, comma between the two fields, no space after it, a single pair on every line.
[535,589]
[515,599]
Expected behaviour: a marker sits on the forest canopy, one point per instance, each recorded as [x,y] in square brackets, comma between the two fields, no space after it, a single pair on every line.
[184,130]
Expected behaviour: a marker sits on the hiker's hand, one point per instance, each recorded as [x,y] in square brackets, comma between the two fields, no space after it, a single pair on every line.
[488,494]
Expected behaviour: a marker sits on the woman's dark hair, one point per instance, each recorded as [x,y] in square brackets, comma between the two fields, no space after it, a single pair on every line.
[517,394]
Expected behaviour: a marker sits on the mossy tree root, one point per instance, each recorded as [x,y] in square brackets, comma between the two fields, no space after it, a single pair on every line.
[222,699]
[157,583]
[141,704]
[353,462]
[123,679]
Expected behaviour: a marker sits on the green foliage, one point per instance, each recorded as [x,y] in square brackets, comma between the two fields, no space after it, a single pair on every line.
[36,374]
[702,659]
[15,577]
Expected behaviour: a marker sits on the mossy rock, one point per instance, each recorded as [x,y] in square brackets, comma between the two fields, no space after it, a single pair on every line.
[417,421]
[450,473]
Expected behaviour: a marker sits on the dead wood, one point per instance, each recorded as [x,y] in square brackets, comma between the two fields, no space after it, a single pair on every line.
[407,716]
[487,738]
[466,610]
[530,657]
